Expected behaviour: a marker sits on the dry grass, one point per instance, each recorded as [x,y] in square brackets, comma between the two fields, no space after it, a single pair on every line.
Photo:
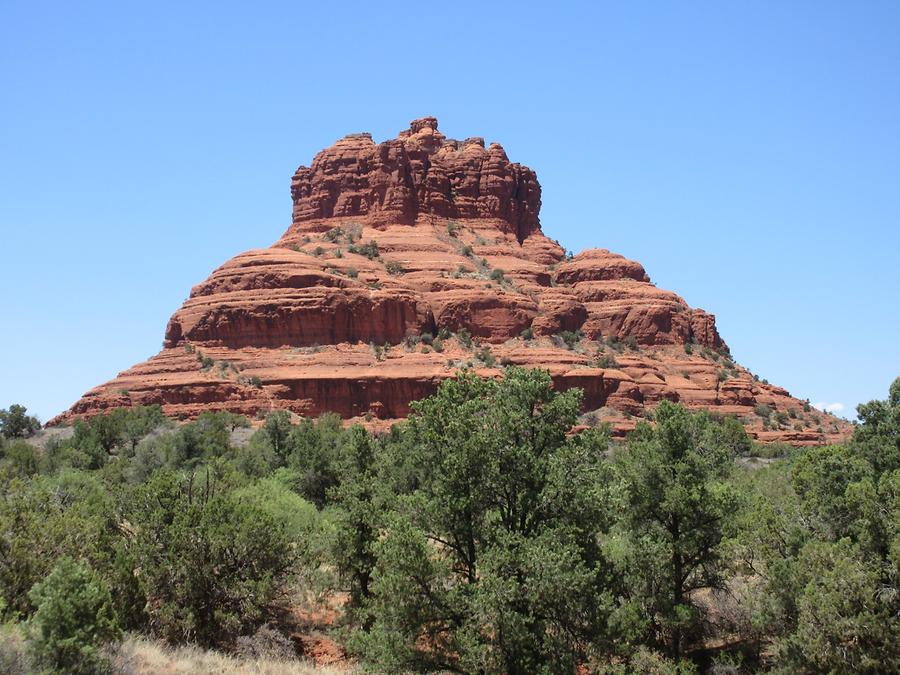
[140,656]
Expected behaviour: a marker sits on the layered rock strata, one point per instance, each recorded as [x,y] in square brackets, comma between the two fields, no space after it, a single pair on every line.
[410,259]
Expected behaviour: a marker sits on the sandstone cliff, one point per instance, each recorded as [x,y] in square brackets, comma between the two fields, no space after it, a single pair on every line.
[409,259]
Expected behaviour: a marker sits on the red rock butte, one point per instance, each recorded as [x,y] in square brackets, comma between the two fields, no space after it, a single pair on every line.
[410,259]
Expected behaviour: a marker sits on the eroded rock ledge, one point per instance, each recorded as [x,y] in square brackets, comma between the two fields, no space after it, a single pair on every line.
[423,234]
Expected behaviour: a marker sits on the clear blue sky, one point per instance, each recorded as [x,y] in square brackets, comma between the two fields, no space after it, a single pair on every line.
[748,153]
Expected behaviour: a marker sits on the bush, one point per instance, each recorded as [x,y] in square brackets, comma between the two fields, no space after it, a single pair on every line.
[688,348]
[210,561]
[516,588]
[570,338]
[15,423]
[266,643]
[497,275]
[527,334]
[465,338]
[762,410]
[393,268]
[486,356]
[73,621]
[370,250]
[606,361]
[18,459]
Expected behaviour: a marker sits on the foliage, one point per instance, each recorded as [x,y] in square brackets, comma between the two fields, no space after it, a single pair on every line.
[357,520]
[73,621]
[495,548]
[16,423]
[48,518]
[676,502]
[211,562]
[482,535]
[369,250]
[570,338]
[314,448]
[827,548]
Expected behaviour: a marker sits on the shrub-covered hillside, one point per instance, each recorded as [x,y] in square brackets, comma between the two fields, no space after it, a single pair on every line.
[482,535]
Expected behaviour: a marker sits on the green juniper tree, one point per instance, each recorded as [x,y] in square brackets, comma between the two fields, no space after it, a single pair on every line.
[211,562]
[73,622]
[675,503]
[16,423]
[827,552]
[491,563]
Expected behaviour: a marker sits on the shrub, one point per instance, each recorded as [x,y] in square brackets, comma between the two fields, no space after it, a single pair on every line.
[465,338]
[370,250]
[265,644]
[527,334]
[722,376]
[19,459]
[351,272]
[762,410]
[467,251]
[394,268]
[486,356]
[210,562]
[452,228]
[606,361]
[497,275]
[631,342]
[688,348]
[73,621]
[318,251]
[15,423]
[501,596]
[334,234]
[570,338]
[615,344]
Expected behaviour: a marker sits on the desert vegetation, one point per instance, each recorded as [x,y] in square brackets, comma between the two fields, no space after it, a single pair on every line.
[482,535]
